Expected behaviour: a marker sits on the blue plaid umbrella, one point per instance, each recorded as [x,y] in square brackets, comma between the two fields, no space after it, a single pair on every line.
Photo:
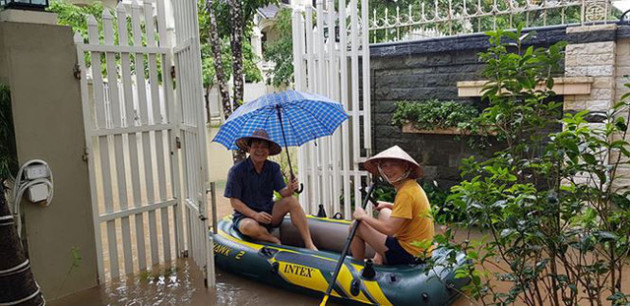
[291,118]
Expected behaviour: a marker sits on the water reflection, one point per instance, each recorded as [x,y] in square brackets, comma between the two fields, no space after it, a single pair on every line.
[182,284]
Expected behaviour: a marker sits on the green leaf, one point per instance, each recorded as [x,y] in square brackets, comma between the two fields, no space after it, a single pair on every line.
[589,158]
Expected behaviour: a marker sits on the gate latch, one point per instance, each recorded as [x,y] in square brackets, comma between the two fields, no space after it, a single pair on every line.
[178,142]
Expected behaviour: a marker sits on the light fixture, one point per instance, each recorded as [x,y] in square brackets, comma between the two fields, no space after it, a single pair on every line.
[38,5]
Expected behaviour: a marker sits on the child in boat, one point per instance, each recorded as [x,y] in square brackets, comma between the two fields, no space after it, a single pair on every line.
[250,187]
[401,223]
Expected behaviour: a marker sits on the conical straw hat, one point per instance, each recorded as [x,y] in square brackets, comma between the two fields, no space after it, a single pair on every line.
[394,152]
[274,147]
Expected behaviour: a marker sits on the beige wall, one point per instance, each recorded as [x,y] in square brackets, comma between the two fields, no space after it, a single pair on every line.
[622,77]
[608,63]
[37,62]
[596,60]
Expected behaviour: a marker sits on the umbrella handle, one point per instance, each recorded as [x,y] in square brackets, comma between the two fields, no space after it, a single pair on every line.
[299,190]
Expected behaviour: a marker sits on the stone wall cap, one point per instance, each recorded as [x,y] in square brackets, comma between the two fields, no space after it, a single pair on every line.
[562,86]
[558,80]
[27,16]
[591,28]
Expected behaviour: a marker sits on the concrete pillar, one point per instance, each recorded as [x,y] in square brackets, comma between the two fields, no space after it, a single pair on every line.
[37,62]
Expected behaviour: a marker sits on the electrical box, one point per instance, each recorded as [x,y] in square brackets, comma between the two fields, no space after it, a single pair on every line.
[35,171]
[37,193]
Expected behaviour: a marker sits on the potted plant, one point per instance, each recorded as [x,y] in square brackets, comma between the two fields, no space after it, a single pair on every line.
[434,117]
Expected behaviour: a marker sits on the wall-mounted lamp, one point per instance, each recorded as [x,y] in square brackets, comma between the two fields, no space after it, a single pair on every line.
[37,5]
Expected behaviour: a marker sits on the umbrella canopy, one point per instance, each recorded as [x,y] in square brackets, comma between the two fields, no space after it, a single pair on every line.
[303,117]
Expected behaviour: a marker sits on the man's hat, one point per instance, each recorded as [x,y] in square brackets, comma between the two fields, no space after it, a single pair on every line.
[394,152]
[261,134]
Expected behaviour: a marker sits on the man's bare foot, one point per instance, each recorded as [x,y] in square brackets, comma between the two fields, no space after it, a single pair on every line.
[312,247]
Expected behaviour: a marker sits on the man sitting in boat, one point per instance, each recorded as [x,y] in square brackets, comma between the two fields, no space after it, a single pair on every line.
[250,186]
[401,223]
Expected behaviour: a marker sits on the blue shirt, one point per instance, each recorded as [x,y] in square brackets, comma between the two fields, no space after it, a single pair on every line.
[253,188]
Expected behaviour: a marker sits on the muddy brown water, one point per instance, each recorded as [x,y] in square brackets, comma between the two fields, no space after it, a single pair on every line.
[182,284]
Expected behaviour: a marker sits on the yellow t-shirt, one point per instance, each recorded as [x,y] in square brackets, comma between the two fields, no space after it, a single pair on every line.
[412,204]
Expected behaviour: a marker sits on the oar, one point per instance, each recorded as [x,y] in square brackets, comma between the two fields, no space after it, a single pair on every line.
[286,149]
[353,231]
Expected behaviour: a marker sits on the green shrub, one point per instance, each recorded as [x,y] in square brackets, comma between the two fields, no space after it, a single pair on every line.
[554,206]
[433,114]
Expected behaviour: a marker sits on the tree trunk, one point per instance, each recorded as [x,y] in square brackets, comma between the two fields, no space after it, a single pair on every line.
[236,43]
[237,50]
[16,279]
[207,98]
[215,42]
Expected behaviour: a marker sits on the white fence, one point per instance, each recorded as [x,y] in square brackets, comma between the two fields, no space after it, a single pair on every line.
[330,167]
[437,18]
[187,59]
[132,128]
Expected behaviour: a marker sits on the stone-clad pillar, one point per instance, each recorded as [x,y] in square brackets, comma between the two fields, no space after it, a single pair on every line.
[622,77]
[591,52]
[591,56]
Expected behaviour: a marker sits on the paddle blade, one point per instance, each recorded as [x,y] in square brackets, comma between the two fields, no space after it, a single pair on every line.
[323,303]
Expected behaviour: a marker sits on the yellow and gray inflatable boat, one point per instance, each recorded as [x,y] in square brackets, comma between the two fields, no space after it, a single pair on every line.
[292,267]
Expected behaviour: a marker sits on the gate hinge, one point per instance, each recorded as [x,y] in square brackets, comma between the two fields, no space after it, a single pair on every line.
[173,72]
[202,218]
[178,142]
[86,155]
[77,71]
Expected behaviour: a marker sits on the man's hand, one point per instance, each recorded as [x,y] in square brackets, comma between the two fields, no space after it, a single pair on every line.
[262,217]
[294,184]
[359,213]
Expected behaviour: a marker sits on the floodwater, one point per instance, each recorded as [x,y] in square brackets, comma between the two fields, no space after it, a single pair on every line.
[182,284]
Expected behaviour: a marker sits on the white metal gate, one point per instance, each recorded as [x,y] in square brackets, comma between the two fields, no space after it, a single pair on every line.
[329,167]
[193,134]
[132,126]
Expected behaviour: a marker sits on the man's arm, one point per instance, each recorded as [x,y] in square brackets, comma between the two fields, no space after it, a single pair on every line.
[241,207]
[290,189]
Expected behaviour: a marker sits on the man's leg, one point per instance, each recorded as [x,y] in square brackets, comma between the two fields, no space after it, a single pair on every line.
[367,234]
[251,228]
[298,218]
[383,215]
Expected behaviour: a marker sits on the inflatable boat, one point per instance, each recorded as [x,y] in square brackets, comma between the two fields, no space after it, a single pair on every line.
[292,267]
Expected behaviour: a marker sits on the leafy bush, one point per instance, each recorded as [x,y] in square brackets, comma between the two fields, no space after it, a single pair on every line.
[553,205]
[433,114]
